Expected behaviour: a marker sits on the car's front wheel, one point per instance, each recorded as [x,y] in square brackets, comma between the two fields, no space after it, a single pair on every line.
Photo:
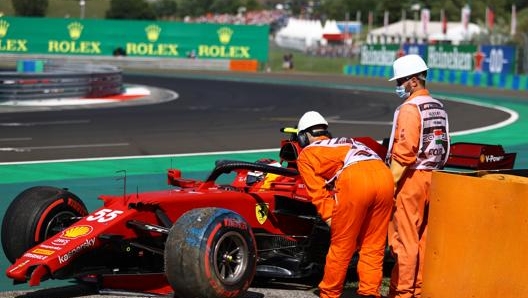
[35,215]
[210,252]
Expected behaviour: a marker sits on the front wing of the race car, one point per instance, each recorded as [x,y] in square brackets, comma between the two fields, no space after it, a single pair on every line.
[89,234]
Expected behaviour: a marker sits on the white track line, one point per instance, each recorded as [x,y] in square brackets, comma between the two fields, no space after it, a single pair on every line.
[15,139]
[43,123]
[514,116]
[140,156]
[26,149]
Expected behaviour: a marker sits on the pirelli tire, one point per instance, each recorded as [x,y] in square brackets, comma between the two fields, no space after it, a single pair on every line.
[35,215]
[210,252]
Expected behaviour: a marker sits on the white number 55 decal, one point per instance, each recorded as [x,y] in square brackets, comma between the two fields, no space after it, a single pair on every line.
[104,215]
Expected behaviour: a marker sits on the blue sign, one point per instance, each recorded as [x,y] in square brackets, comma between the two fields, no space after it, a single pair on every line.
[419,49]
[349,27]
[498,59]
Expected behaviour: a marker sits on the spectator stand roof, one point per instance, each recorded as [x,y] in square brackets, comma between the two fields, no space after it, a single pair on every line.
[416,31]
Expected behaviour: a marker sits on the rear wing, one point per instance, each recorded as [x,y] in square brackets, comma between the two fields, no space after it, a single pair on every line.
[476,156]
[462,155]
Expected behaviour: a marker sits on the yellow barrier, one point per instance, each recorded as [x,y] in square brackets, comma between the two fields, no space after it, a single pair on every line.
[477,242]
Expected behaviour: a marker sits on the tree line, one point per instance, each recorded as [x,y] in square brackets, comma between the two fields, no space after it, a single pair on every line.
[314,9]
[145,9]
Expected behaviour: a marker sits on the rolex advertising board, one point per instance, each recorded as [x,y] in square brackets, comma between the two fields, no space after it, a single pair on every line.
[138,38]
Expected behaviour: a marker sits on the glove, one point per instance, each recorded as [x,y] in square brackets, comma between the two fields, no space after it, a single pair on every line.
[397,170]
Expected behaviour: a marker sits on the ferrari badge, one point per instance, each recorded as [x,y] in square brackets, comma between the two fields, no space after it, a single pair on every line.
[261,211]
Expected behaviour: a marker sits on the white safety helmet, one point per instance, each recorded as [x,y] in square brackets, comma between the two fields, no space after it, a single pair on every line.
[310,119]
[408,65]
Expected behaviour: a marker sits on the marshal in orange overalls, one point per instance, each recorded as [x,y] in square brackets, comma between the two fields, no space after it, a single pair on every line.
[359,207]
[408,227]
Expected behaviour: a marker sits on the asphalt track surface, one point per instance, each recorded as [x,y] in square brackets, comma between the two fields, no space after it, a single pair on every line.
[217,112]
[213,114]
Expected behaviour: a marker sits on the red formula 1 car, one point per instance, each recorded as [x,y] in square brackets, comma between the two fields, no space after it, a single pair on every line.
[195,239]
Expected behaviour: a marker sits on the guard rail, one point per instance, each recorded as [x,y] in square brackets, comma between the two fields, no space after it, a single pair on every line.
[61,80]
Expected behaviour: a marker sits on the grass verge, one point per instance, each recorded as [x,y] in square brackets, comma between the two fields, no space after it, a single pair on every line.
[307,63]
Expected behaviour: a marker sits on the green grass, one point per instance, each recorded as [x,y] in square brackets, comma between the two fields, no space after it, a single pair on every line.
[307,63]
[66,8]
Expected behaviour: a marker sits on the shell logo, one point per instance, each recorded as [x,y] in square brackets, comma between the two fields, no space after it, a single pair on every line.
[77,231]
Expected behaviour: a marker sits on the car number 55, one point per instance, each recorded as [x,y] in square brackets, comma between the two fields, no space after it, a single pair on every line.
[104,215]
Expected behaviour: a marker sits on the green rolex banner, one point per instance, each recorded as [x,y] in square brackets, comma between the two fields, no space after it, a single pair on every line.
[19,35]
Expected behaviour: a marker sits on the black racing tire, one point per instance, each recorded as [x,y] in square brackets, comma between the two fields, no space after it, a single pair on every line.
[210,252]
[35,215]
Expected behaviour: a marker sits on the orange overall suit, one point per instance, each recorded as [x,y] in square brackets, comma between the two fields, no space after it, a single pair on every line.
[408,227]
[359,207]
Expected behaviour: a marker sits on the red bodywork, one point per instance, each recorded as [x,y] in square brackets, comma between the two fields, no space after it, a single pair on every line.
[94,231]
[117,229]
[117,218]
[480,157]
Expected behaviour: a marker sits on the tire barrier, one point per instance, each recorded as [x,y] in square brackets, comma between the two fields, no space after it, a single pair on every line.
[136,62]
[40,79]
[465,78]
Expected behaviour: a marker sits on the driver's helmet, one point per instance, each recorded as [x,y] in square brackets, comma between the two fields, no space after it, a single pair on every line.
[257,176]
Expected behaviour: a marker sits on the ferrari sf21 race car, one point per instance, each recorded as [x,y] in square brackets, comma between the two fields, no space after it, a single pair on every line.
[195,238]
